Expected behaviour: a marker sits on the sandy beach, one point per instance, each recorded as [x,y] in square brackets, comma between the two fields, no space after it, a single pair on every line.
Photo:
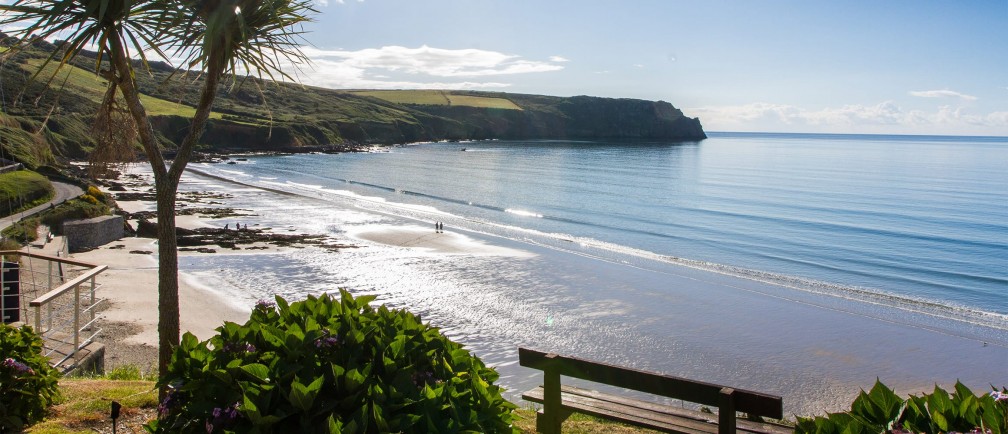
[130,285]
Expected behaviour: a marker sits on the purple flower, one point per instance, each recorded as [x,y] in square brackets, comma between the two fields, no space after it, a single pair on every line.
[223,418]
[421,378]
[171,401]
[264,304]
[239,347]
[327,341]
[18,367]
[999,396]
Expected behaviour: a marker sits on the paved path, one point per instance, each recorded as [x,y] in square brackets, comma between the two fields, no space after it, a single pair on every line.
[64,192]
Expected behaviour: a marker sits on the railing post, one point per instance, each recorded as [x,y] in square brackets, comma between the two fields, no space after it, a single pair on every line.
[76,315]
[3,292]
[50,275]
[92,302]
[726,411]
[38,319]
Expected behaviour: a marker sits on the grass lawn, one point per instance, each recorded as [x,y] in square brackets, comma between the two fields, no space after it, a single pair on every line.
[87,402]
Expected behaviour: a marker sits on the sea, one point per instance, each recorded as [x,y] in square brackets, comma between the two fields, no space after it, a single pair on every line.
[802,265]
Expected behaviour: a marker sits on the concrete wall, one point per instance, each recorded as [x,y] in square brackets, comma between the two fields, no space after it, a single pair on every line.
[11,167]
[87,234]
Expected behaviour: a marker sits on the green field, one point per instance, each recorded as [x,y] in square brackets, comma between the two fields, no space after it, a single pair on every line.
[91,86]
[439,97]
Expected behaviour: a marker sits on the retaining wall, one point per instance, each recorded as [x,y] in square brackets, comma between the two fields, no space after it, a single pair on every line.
[87,234]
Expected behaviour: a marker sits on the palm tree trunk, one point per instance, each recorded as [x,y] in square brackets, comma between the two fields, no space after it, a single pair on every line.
[166,186]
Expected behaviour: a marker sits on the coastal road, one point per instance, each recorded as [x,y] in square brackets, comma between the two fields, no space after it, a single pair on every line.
[64,192]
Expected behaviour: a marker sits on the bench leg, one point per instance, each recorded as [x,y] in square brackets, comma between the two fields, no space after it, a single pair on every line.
[726,411]
[550,423]
[552,415]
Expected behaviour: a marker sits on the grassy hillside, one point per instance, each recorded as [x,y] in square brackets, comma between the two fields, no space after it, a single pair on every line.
[44,119]
[22,190]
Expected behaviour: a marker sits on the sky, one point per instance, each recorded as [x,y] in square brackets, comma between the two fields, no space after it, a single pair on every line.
[809,66]
[885,67]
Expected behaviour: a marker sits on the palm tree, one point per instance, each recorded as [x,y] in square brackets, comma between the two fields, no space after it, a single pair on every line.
[216,38]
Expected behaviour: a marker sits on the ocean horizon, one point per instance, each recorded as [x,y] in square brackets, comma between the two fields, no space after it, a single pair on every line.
[789,263]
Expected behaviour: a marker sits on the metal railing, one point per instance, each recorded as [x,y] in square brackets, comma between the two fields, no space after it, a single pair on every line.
[63,307]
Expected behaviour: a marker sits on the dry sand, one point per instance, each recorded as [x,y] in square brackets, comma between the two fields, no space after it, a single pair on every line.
[131,287]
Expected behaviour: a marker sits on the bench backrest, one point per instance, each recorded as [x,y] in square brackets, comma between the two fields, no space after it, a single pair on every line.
[753,403]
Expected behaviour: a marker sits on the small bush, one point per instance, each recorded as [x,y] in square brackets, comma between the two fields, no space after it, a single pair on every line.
[9,244]
[28,385]
[89,199]
[95,192]
[881,410]
[329,365]
[23,232]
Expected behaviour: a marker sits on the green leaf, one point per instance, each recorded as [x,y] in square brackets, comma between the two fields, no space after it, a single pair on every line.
[939,420]
[335,427]
[257,371]
[300,397]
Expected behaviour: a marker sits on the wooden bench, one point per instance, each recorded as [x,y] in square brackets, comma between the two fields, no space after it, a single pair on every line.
[559,402]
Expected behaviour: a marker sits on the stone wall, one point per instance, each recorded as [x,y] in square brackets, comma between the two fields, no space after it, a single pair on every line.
[87,234]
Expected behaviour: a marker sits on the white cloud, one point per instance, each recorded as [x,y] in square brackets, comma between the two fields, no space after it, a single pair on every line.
[558,59]
[942,94]
[395,67]
[437,62]
[884,117]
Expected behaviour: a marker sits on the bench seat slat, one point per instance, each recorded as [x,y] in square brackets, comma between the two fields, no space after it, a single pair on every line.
[630,414]
[647,414]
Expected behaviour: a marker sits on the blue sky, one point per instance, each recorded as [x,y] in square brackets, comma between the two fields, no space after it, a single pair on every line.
[899,67]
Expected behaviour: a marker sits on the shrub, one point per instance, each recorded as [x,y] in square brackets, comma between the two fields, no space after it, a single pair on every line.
[84,207]
[881,410]
[28,385]
[9,244]
[95,192]
[23,232]
[329,365]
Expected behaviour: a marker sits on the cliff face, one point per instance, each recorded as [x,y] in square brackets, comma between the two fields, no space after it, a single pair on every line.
[589,117]
[581,117]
